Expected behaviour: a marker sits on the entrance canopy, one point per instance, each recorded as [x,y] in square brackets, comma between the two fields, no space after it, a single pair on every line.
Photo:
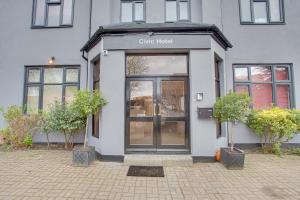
[188,29]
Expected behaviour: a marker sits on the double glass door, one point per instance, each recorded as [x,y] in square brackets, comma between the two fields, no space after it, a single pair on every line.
[157,114]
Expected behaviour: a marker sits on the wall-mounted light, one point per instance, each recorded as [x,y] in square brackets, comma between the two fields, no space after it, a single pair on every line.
[199,96]
[51,61]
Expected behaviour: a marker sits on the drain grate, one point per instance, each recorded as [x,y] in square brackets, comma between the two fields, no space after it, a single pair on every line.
[146,171]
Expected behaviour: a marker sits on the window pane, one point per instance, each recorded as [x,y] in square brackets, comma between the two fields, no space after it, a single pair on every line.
[183,10]
[72,75]
[53,15]
[242,89]
[33,94]
[283,96]
[241,74]
[69,93]
[34,75]
[282,73]
[53,75]
[141,98]
[157,65]
[245,10]
[52,93]
[96,71]
[275,10]
[262,96]
[96,118]
[54,1]
[260,12]
[67,12]
[171,11]
[173,133]
[141,133]
[139,11]
[40,12]
[261,74]
[126,12]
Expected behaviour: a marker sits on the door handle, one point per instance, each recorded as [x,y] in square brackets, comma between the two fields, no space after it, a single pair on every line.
[159,109]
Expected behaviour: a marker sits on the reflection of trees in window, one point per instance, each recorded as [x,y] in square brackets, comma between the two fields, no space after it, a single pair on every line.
[136,65]
[261,73]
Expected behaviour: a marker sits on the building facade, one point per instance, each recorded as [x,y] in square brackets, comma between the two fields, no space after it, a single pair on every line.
[161,64]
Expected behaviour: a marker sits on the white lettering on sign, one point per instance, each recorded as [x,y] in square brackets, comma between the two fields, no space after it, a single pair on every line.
[155,41]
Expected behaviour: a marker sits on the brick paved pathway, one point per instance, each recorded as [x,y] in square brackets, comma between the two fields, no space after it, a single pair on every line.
[40,174]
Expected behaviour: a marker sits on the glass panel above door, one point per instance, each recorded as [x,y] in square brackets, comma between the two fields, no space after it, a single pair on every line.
[156,65]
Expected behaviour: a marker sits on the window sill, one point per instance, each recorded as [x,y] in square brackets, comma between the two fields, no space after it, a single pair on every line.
[260,24]
[51,27]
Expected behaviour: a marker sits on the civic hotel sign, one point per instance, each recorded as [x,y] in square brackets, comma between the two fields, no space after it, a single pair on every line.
[145,41]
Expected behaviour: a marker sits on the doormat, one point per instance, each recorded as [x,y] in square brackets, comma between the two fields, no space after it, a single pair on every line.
[146,171]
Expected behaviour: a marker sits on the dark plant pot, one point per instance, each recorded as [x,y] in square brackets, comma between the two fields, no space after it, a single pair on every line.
[83,156]
[232,159]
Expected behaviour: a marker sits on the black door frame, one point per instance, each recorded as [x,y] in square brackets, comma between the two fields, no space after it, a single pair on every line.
[156,119]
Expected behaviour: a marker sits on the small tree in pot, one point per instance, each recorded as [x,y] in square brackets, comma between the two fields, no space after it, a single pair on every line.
[232,108]
[86,104]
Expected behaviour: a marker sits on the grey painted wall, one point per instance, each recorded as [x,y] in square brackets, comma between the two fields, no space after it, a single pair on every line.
[112,75]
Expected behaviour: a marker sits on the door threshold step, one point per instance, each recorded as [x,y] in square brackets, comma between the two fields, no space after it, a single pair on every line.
[158,160]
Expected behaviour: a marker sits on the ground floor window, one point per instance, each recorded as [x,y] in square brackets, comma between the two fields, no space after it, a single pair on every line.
[44,85]
[268,85]
[96,86]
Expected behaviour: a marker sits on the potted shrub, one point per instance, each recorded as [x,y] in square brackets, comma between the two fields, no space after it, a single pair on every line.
[274,126]
[86,104]
[232,108]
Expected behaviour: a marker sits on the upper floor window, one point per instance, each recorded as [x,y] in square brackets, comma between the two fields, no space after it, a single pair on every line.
[268,85]
[132,11]
[52,13]
[177,10]
[261,11]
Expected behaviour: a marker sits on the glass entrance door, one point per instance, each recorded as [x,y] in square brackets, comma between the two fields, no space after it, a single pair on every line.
[157,114]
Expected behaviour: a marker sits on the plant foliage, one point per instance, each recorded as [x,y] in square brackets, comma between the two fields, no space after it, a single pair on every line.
[232,107]
[87,103]
[19,127]
[274,126]
[62,119]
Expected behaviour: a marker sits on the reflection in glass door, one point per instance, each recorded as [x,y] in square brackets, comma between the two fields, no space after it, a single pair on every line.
[172,116]
[141,118]
[157,114]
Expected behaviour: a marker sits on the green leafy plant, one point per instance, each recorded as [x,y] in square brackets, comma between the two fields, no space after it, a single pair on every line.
[295,151]
[19,126]
[63,119]
[232,108]
[274,126]
[5,134]
[296,118]
[28,141]
[13,112]
[44,125]
[87,103]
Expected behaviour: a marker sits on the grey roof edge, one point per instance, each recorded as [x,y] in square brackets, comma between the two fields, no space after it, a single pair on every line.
[156,27]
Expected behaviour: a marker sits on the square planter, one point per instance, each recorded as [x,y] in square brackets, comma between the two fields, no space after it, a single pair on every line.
[232,159]
[83,156]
